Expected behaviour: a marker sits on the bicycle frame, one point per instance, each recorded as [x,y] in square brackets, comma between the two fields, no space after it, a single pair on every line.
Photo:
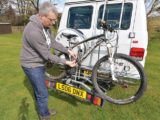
[90,49]
[100,39]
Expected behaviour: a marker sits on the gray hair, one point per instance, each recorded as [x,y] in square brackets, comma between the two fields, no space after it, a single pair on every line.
[46,7]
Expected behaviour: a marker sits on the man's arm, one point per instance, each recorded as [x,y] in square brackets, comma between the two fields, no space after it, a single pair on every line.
[58,46]
[38,42]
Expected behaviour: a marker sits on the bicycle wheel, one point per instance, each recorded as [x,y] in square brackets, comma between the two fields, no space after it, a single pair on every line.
[59,71]
[130,84]
[56,71]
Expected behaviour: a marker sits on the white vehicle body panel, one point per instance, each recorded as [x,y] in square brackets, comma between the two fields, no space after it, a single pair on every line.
[137,26]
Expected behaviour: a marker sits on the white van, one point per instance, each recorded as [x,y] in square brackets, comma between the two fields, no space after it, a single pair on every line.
[127,15]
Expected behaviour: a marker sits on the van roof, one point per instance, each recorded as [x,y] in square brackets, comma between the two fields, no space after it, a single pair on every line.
[69,1]
[86,1]
[81,1]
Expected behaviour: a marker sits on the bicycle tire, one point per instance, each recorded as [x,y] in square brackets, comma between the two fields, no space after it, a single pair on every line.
[54,71]
[52,76]
[104,84]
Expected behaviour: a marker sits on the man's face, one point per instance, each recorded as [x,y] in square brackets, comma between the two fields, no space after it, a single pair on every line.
[49,20]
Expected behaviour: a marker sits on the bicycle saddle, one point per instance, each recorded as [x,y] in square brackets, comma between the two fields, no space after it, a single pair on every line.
[69,36]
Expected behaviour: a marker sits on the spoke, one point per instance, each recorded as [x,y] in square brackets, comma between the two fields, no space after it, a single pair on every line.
[121,82]
[102,88]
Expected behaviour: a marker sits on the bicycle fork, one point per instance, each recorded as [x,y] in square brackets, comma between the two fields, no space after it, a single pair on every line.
[111,54]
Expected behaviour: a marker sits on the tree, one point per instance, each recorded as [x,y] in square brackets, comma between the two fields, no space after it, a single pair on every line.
[10,14]
[3,5]
[152,5]
[25,8]
[35,3]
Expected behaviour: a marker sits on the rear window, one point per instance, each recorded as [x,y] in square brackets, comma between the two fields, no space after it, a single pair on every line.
[80,17]
[112,15]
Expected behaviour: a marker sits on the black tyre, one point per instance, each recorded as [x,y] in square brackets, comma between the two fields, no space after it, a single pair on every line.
[59,71]
[130,84]
[56,71]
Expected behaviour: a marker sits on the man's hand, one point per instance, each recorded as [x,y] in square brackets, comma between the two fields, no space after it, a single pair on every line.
[72,54]
[71,63]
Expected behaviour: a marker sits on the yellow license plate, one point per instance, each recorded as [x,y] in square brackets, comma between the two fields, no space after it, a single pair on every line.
[71,90]
[87,73]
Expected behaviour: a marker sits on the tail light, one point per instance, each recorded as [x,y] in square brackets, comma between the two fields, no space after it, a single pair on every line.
[98,101]
[49,84]
[137,53]
[89,96]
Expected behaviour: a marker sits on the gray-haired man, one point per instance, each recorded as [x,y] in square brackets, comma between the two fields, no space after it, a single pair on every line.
[37,42]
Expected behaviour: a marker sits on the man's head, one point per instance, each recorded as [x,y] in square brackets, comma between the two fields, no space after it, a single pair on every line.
[48,14]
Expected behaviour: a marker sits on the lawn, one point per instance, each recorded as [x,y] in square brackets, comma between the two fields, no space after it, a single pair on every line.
[16,97]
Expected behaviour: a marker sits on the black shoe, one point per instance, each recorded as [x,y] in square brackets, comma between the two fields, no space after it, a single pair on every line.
[52,112]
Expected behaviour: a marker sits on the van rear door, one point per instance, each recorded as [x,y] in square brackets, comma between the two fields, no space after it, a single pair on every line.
[113,17]
[79,16]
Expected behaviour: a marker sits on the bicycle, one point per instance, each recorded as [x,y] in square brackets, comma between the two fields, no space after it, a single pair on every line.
[116,77]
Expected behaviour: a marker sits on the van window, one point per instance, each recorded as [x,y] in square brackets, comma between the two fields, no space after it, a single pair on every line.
[112,15]
[80,17]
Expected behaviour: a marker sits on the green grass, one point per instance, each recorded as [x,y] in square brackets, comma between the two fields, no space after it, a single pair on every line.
[16,97]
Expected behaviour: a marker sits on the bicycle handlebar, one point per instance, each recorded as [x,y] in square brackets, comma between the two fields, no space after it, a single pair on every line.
[105,26]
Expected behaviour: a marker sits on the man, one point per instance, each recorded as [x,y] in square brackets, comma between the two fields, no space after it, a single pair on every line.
[37,42]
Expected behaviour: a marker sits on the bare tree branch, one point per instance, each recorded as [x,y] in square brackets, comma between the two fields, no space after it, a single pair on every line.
[35,3]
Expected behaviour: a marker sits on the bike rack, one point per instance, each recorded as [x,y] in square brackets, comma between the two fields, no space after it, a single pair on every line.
[91,97]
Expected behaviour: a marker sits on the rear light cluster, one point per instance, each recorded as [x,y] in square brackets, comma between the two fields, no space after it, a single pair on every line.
[49,84]
[91,97]
[137,53]
[95,99]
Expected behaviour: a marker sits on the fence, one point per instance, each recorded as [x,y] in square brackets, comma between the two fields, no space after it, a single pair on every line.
[5,28]
[17,29]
